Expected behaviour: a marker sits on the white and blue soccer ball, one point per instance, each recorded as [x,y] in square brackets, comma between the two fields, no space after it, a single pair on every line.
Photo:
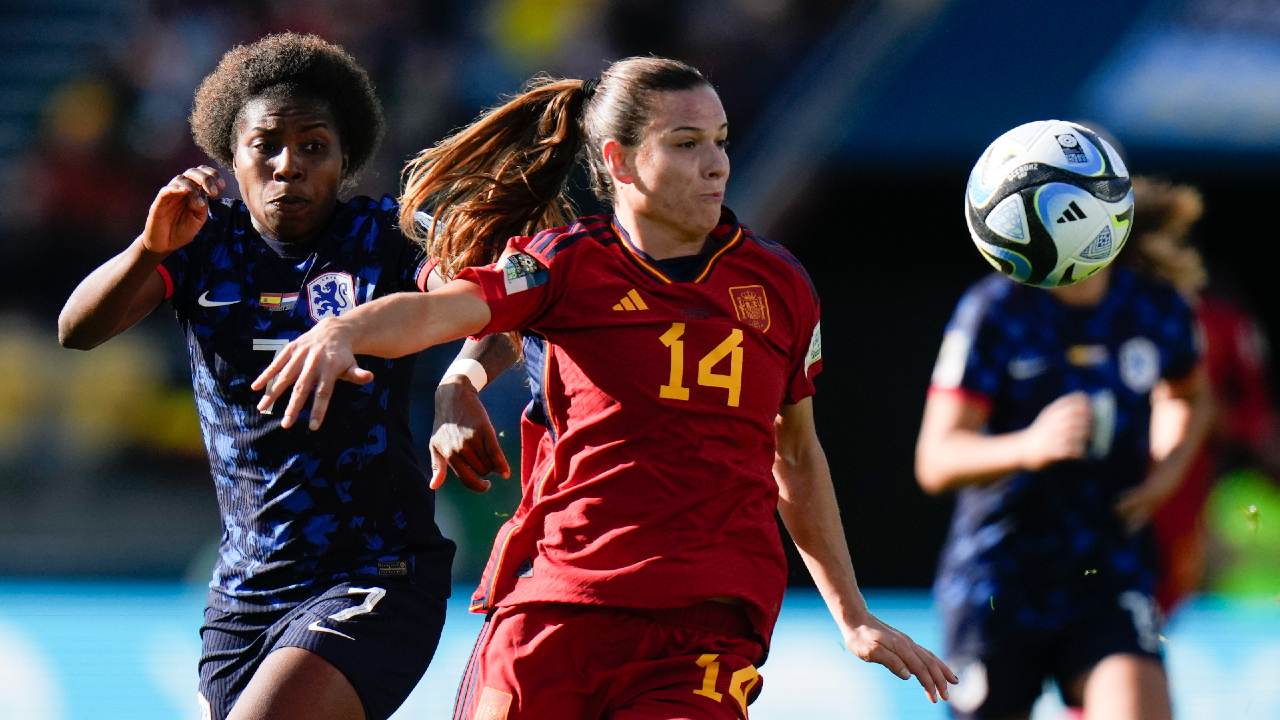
[1049,203]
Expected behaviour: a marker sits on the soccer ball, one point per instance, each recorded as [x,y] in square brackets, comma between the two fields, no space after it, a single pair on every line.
[1049,203]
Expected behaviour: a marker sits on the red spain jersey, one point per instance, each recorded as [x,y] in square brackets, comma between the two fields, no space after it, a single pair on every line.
[652,485]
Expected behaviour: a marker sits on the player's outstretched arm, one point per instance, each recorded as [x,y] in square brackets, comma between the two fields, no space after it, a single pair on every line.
[391,326]
[1193,410]
[952,451]
[807,503]
[463,437]
[127,288]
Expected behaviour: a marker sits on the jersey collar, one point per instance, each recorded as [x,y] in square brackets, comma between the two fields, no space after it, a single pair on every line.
[726,236]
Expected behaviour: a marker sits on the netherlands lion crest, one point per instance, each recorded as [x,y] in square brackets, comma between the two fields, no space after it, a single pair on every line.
[751,305]
[330,295]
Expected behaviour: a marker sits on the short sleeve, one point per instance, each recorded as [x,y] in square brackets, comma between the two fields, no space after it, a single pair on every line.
[809,353]
[178,270]
[966,363]
[415,268]
[422,274]
[520,288]
[417,265]
[172,269]
[1180,346]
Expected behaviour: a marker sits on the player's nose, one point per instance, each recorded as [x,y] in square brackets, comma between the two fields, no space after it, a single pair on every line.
[717,167]
[287,168]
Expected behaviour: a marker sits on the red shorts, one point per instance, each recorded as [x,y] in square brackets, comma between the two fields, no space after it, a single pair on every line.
[558,661]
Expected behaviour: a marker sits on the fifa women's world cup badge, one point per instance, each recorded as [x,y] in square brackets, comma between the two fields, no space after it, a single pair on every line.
[522,272]
[752,306]
[330,295]
[493,705]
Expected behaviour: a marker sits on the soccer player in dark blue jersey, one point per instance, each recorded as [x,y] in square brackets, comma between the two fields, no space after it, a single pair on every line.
[328,596]
[1039,415]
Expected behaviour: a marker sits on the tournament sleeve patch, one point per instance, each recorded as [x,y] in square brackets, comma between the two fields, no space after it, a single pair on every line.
[815,347]
[521,272]
[493,705]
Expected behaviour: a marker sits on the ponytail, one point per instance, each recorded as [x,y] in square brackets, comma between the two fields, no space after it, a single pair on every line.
[504,175]
[507,173]
[1159,244]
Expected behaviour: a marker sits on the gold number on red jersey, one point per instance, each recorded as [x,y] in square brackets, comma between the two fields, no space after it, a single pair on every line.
[731,347]
[708,688]
[673,390]
[741,683]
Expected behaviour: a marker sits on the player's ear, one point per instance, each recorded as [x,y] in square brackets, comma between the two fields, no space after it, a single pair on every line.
[346,163]
[618,161]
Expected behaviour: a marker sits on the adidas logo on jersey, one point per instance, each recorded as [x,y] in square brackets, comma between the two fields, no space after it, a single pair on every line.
[1068,216]
[631,301]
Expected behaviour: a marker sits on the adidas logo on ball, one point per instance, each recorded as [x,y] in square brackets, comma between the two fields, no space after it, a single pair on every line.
[1067,216]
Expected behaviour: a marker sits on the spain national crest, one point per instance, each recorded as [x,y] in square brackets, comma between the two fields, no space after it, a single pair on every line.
[330,295]
[751,305]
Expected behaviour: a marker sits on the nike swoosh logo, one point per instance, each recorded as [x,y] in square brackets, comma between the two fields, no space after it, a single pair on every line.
[206,302]
[1027,368]
[317,627]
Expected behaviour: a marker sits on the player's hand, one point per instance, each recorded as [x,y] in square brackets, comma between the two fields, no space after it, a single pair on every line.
[1060,432]
[180,209]
[1137,505]
[874,641]
[463,438]
[315,361]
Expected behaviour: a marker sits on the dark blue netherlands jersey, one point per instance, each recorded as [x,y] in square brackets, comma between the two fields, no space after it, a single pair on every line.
[302,510]
[1042,547]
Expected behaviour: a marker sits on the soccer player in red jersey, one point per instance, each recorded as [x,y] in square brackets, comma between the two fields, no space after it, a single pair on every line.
[1233,347]
[672,353]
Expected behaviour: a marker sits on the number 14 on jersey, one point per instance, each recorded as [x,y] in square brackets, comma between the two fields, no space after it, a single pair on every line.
[731,347]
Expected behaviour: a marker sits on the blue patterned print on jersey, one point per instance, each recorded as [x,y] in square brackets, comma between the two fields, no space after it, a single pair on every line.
[303,510]
[1033,551]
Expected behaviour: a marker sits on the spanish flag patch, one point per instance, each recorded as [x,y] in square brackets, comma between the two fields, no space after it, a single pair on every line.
[278,301]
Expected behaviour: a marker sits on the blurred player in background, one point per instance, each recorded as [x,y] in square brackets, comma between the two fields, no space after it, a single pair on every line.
[329,592]
[1038,415]
[1234,351]
[673,352]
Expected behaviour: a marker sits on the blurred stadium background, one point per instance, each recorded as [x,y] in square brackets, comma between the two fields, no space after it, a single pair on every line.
[854,126]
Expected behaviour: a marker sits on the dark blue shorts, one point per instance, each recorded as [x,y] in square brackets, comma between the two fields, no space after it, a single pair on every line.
[1003,672]
[380,633]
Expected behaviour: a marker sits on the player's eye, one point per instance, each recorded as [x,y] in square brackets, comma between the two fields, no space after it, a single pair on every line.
[722,144]
[264,148]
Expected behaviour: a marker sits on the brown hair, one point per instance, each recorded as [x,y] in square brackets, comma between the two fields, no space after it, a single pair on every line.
[507,173]
[1160,244]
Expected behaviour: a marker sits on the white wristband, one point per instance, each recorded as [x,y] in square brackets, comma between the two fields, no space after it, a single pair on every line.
[472,369]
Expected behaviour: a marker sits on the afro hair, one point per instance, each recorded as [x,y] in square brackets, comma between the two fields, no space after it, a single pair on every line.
[289,64]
